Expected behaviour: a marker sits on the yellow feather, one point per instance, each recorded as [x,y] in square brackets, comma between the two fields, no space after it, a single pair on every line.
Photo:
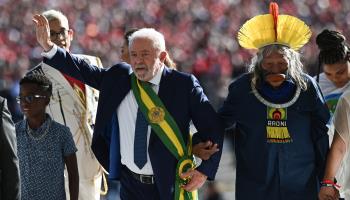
[292,31]
[259,32]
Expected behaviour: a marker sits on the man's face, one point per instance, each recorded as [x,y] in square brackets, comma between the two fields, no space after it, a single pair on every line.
[338,73]
[275,66]
[145,59]
[33,100]
[124,52]
[60,35]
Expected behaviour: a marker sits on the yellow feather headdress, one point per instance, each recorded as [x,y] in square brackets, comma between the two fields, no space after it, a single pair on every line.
[263,30]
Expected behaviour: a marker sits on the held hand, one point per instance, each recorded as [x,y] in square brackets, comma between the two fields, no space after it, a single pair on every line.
[43,32]
[197,180]
[328,193]
[205,150]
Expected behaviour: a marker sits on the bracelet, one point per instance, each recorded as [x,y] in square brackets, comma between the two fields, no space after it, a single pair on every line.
[330,183]
[327,185]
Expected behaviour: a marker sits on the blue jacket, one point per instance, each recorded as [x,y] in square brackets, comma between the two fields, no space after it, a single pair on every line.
[182,96]
[277,171]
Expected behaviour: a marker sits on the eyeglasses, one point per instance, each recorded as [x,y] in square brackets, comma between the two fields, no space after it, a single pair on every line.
[56,35]
[30,98]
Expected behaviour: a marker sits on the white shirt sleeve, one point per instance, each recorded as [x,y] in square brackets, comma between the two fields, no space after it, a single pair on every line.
[341,118]
[50,53]
[341,122]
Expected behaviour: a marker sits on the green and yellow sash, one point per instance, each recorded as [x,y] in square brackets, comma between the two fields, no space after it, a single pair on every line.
[167,130]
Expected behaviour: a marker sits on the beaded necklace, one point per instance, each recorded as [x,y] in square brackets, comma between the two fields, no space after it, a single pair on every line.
[38,135]
[274,105]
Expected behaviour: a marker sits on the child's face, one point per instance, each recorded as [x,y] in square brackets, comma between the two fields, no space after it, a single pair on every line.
[33,100]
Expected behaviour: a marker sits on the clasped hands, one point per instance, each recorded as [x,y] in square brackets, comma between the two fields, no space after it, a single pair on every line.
[204,151]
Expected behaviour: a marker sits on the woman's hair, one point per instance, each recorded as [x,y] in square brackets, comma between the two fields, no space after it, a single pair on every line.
[333,48]
[39,79]
[169,62]
[295,67]
[128,33]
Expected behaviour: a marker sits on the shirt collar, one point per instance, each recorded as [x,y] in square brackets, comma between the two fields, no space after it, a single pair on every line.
[156,79]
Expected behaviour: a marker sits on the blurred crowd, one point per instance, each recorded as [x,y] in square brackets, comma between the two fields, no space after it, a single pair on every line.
[200,34]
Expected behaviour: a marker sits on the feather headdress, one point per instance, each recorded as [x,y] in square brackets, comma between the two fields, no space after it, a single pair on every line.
[263,30]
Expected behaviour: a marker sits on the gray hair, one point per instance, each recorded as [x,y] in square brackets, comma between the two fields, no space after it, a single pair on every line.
[149,33]
[295,67]
[56,15]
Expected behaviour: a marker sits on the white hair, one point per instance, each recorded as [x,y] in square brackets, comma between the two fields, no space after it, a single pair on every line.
[149,33]
[56,15]
[295,67]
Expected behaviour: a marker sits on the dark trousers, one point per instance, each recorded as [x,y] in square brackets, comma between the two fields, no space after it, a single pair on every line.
[132,189]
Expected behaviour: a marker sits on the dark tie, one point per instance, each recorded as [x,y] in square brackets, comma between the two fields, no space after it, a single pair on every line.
[140,142]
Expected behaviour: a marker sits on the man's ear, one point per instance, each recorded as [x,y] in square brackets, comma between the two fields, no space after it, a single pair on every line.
[70,34]
[162,56]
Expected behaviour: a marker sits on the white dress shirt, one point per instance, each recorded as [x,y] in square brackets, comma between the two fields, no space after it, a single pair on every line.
[127,113]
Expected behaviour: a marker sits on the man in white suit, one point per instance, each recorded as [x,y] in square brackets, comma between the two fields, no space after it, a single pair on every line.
[74,104]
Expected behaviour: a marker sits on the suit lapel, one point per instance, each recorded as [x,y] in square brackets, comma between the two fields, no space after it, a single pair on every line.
[59,82]
[164,84]
[117,90]
[163,94]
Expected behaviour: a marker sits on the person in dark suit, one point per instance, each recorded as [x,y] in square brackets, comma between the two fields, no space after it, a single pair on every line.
[279,114]
[167,100]
[9,172]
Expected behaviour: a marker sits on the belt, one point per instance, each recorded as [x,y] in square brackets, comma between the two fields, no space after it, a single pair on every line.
[145,179]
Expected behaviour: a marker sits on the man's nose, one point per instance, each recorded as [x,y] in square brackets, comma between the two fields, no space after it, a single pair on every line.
[138,59]
[276,68]
[61,36]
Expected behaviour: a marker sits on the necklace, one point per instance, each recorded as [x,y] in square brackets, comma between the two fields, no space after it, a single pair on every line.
[274,105]
[40,135]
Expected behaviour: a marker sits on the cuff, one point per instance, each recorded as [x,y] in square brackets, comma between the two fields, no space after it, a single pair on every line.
[208,170]
[50,53]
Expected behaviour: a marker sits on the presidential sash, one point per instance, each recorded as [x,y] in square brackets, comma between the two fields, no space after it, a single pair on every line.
[168,132]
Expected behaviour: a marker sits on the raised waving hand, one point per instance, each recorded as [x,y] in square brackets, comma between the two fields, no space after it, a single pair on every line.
[43,32]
